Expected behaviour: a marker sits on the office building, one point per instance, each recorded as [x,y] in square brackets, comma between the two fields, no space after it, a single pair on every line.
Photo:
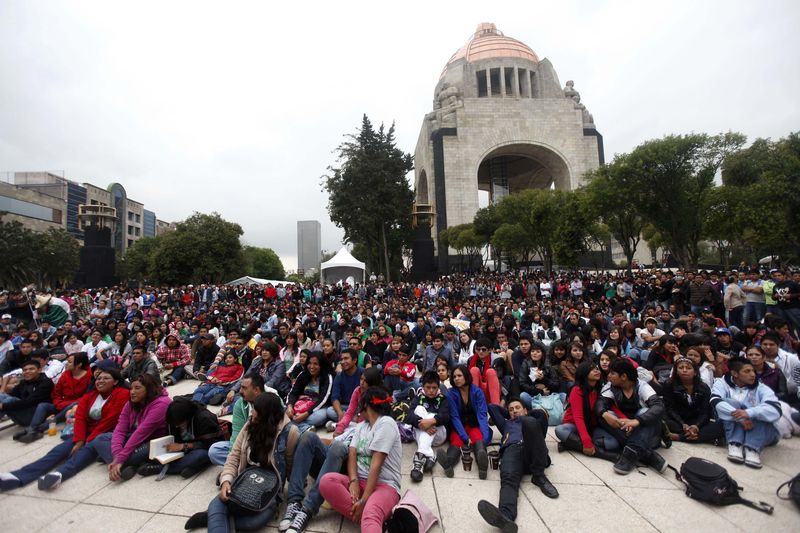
[309,246]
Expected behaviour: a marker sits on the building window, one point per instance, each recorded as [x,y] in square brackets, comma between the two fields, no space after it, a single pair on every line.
[508,73]
[130,216]
[57,216]
[533,83]
[94,202]
[130,230]
[494,81]
[138,218]
[138,231]
[130,243]
[483,89]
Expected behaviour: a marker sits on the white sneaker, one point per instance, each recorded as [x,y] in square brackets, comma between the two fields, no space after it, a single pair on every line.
[752,458]
[735,453]
[331,426]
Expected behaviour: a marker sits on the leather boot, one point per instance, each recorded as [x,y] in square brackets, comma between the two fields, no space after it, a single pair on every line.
[447,460]
[602,453]
[481,458]
[572,443]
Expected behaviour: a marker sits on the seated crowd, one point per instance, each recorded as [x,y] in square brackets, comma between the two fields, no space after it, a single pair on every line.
[467,369]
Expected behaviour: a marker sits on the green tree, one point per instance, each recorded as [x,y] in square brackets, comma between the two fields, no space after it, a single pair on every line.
[59,257]
[262,263]
[369,196]
[135,264]
[15,249]
[616,196]
[675,174]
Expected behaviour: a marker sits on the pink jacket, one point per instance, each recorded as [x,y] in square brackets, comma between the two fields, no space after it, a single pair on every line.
[352,407]
[150,422]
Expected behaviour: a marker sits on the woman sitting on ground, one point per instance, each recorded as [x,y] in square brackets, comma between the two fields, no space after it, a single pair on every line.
[297,368]
[705,367]
[311,393]
[371,377]
[267,364]
[217,385]
[195,429]
[97,413]
[767,374]
[580,431]
[687,401]
[535,377]
[371,488]
[255,445]
[577,354]
[469,420]
[661,359]
[604,363]
[70,387]
[142,419]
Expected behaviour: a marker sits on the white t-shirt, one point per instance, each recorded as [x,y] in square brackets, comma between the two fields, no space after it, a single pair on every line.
[383,437]
[91,350]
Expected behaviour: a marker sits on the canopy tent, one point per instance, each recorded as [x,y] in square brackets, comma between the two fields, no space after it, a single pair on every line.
[341,267]
[248,280]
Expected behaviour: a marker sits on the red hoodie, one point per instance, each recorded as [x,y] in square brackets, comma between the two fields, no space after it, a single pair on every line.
[86,429]
[227,374]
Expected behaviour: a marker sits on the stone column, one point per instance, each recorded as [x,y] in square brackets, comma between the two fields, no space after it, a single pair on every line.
[502,82]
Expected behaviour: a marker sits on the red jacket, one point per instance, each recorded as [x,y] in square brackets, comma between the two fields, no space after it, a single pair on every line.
[227,374]
[87,430]
[575,415]
[407,372]
[68,389]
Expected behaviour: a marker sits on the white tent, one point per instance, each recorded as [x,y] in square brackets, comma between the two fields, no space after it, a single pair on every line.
[340,267]
[248,280]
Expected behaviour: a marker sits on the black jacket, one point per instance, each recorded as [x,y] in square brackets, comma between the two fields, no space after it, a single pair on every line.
[697,413]
[203,425]
[549,378]
[30,393]
[437,405]
[325,387]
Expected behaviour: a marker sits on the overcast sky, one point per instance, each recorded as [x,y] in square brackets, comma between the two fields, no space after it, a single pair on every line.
[236,107]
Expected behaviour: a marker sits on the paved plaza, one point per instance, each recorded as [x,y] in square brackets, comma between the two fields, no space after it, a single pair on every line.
[593,497]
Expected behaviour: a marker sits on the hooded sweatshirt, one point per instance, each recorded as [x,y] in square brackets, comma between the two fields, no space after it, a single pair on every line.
[178,356]
[142,425]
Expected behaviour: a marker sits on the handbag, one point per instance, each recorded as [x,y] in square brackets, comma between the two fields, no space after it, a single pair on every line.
[303,404]
[552,405]
[793,493]
[255,489]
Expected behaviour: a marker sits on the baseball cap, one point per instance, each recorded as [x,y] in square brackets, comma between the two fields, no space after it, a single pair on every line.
[6,315]
[723,331]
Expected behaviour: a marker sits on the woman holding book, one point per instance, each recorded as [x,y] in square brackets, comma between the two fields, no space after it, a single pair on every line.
[143,418]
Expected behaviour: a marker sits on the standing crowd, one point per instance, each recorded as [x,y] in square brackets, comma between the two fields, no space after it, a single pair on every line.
[470,369]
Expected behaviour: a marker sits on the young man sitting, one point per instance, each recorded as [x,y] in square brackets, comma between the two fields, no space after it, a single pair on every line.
[523,451]
[251,386]
[631,411]
[20,404]
[344,383]
[748,410]
[399,374]
[428,414]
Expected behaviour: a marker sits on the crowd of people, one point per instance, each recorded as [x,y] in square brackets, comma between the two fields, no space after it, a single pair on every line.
[619,364]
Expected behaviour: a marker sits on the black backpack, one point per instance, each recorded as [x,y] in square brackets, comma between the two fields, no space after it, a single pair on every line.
[707,481]
[794,490]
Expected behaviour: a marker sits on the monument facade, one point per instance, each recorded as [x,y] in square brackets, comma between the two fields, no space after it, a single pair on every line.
[501,122]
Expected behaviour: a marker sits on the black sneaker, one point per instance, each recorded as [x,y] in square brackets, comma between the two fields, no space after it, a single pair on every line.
[429,464]
[188,472]
[127,473]
[444,462]
[656,462]
[19,434]
[288,515]
[492,515]
[416,470]
[30,437]
[627,461]
[300,521]
[50,481]
[197,521]
[149,469]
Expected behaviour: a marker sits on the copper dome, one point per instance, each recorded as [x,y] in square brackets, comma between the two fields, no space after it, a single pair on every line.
[488,42]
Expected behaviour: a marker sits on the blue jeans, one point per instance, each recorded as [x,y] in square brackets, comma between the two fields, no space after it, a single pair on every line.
[20,417]
[219,514]
[218,452]
[85,456]
[600,438]
[43,410]
[196,459]
[644,438]
[205,391]
[639,354]
[398,385]
[735,317]
[754,311]
[317,418]
[332,412]
[139,456]
[313,457]
[177,374]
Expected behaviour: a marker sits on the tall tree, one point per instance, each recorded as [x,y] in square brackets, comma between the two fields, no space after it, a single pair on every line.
[262,263]
[369,196]
[617,198]
[675,174]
